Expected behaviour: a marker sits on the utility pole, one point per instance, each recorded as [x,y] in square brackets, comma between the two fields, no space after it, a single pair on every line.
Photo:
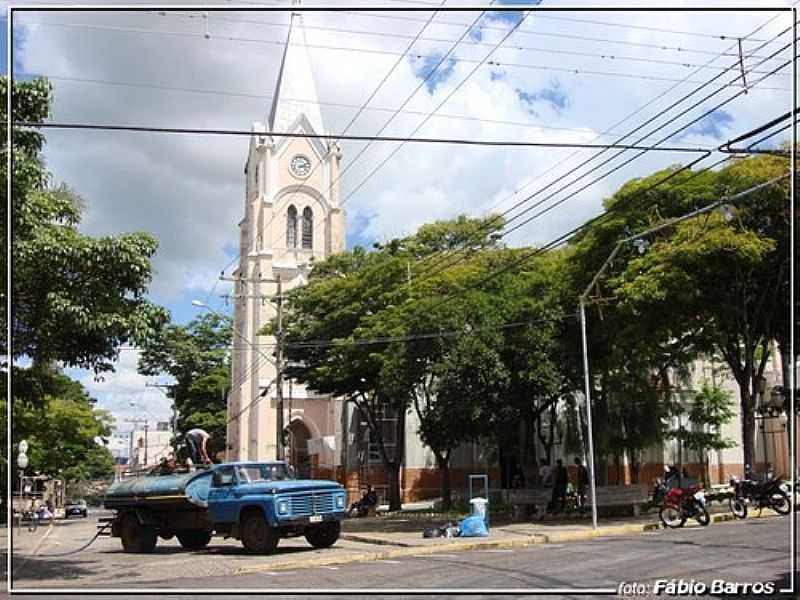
[278,362]
[280,453]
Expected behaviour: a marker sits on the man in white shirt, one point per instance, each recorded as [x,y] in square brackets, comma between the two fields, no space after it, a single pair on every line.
[198,440]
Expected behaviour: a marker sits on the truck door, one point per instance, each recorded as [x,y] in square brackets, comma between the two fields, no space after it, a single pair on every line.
[221,501]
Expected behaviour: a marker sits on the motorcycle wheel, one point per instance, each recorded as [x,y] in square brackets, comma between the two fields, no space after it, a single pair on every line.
[779,502]
[700,513]
[672,517]
[738,507]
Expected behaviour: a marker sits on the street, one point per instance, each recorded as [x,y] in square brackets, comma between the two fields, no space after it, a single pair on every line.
[755,550]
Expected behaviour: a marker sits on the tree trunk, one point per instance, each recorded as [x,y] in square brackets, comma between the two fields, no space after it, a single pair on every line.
[393,476]
[443,462]
[748,423]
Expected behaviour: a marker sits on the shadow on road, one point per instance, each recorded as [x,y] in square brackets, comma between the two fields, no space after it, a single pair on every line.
[38,569]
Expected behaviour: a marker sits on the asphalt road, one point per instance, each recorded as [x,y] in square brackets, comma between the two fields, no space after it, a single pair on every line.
[751,551]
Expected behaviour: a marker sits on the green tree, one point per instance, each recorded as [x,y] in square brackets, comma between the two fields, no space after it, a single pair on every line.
[362,295]
[712,407]
[721,282]
[197,357]
[61,429]
[76,298]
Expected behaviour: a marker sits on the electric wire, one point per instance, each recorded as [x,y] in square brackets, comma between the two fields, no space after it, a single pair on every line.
[581,38]
[492,64]
[529,124]
[383,34]
[487,226]
[357,138]
[566,236]
[408,99]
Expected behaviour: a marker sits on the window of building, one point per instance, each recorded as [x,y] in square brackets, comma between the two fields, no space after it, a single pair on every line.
[308,227]
[291,227]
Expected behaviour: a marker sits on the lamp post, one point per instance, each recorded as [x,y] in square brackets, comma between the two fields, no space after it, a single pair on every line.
[641,245]
[22,463]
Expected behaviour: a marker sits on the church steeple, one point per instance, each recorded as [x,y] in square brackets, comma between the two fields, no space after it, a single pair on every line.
[295,92]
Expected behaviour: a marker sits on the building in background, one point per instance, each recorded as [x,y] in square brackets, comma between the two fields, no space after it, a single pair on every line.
[148,447]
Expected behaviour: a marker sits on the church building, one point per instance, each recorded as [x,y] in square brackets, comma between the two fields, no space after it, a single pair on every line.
[293,218]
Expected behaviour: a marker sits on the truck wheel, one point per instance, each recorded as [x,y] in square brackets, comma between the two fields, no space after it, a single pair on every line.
[323,536]
[135,537]
[257,535]
[196,539]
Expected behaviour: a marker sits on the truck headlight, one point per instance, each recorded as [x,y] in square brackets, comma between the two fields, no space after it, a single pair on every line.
[340,501]
[283,507]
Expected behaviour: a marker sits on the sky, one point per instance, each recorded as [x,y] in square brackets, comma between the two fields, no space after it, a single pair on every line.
[560,77]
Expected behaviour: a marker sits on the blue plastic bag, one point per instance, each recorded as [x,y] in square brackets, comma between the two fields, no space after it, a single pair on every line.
[473,527]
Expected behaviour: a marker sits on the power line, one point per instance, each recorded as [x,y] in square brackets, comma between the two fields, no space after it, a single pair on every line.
[360,138]
[408,99]
[538,203]
[581,38]
[564,237]
[381,34]
[628,161]
[492,64]
[528,124]
[364,104]
[442,103]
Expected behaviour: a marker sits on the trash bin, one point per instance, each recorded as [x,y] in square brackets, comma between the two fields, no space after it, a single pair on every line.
[479,509]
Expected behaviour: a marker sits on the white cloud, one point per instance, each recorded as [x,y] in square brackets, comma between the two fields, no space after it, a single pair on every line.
[125,394]
[189,190]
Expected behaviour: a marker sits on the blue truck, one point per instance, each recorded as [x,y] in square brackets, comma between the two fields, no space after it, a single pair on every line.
[257,503]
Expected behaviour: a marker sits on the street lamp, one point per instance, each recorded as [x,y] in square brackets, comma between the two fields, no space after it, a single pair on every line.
[641,245]
[22,463]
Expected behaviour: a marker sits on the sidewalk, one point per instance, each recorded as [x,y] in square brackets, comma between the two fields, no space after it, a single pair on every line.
[385,538]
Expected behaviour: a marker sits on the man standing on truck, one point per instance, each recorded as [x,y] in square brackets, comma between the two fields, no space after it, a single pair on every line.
[198,440]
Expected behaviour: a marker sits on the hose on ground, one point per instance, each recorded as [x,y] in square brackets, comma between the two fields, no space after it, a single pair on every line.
[81,549]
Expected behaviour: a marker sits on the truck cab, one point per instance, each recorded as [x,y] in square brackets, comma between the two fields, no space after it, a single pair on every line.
[255,502]
[261,502]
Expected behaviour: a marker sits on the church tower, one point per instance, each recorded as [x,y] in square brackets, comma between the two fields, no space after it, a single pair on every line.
[292,218]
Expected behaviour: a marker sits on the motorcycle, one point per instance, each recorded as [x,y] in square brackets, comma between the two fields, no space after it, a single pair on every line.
[761,495]
[681,504]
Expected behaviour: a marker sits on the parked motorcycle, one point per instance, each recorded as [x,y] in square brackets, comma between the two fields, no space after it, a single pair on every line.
[760,495]
[681,504]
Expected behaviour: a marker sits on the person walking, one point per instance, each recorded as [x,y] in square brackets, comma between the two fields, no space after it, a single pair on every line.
[560,481]
[198,445]
[581,481]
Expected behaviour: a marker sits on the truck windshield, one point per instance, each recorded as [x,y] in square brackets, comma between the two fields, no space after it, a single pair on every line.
[259,473]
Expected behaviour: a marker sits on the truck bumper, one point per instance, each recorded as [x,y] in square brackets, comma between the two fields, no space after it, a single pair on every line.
[307,520]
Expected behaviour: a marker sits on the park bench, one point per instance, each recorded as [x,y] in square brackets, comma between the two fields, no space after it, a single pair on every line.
[613,495]
[633,495]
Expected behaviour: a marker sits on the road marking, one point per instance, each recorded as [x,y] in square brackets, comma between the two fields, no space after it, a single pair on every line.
[437,555]
[391,562]
[280,572]
[330,568]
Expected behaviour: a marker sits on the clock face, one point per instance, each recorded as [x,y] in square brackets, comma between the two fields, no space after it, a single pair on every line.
[300,166]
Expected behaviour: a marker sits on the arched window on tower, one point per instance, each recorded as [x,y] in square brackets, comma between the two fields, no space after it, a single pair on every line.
[291,227]
[308,228]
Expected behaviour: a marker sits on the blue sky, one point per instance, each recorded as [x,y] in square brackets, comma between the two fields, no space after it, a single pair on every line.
[188,191]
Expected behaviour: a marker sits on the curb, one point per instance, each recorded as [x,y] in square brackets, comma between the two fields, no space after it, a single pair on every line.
[372,540]
[457,545]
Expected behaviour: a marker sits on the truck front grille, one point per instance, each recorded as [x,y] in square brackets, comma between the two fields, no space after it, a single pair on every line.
[311,503]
